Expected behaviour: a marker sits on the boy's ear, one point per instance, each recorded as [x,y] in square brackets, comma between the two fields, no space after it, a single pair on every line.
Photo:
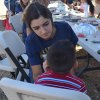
[45,66]
[72,71]
[76,64]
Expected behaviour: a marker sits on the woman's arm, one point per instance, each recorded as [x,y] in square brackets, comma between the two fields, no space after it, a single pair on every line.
[36,70]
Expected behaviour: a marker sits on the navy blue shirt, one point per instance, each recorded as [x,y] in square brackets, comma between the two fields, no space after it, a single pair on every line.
[24,34]
[35,45]
[18,8]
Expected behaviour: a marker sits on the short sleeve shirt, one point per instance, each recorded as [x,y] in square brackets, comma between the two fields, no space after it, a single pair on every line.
[58,80]
[35,45]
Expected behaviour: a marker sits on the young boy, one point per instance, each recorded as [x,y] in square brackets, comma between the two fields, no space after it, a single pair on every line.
[60,60]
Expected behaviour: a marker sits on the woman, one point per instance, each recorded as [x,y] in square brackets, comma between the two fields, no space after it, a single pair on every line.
[44,33]
[20,6]
[26,30]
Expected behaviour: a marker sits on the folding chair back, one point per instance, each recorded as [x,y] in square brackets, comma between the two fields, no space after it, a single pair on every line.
[11,39]
[16,22]
[18,90]
[11,43]
[6,63]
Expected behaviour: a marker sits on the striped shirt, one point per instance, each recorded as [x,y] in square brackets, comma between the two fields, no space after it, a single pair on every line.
[66,81]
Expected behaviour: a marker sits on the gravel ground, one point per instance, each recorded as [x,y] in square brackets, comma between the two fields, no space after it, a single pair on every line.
[4,74]
[91,78]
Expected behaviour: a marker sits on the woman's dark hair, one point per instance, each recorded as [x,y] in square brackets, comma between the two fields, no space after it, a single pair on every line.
[22,5]
[34,11]
[91,8]
[61,56]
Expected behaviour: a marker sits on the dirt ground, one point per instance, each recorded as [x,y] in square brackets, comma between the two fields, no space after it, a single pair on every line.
[92,79]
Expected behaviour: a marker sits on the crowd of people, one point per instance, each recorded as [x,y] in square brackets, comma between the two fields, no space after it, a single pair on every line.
[50,46]
[19,5]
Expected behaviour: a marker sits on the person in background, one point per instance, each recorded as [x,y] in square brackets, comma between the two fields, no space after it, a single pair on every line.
[21,5]
[86,4]
[6,23]
[44,32]
[60,60]
[10,5]
[68,2]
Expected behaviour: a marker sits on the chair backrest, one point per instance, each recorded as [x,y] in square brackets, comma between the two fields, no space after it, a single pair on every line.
[11,39]
[13,47]
[16,22]
[6,64]
[18,90]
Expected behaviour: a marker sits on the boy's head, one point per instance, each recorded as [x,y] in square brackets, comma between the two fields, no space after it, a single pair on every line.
[61,56]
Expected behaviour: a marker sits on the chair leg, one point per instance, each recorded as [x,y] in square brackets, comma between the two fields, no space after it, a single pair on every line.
[86,68]
[13,74]
[81,71]
[23,61]
[19,67]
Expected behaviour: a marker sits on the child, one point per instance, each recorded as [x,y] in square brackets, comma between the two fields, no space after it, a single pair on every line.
[60,60]
[6,23]
[86,6]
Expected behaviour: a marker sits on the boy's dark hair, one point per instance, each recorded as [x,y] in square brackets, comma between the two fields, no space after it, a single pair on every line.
[61,56]
[36,10]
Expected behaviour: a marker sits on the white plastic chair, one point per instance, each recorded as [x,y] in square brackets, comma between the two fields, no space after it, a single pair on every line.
[14,48]
[16,22]
[17,90]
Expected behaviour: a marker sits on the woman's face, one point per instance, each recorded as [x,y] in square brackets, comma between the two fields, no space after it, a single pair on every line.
[46,2]
[25,2]
[83,1]
[42,27]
